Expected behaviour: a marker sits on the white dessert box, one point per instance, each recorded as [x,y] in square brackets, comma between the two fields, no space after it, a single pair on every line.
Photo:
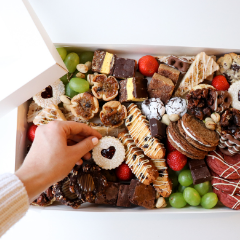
[50,67]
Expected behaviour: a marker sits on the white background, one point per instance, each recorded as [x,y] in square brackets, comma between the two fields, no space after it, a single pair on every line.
[182,23]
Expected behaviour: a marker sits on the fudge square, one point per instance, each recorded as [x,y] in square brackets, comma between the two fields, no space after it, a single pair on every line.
[124,68]
[160,87]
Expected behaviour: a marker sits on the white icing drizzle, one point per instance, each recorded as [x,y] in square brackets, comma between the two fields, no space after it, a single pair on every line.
[180,146]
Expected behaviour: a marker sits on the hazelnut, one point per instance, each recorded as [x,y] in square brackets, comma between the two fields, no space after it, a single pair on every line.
[165,119]
[82,68]
[161,203]
[90,78]
[65,99]
[174,117]
[208,119]
[67,107]
[210,125]
[215,117]
[80,75]
[89,65]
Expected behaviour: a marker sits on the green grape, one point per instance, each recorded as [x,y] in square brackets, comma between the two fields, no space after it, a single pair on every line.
[86,56]
[69,92]
[209,200]
[202,188]
[191,196]
[64,79]
[177,200]
[79,85]
[181,188]
[62,52]
[71,61]
[186,167]
[185,178]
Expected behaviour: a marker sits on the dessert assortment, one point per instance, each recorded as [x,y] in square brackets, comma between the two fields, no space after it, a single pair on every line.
[170,129]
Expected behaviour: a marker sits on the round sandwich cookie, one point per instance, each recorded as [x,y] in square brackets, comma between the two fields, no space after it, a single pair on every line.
[196,130]
[109,153]
[227,186]
[228,200]
[225,166]
[191,139]
[181,144]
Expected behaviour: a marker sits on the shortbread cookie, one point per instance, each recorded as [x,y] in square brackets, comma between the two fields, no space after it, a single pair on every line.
[138,128]
[162,184]
[50,95]
[109,153]
[143,168]
[202,67]
[33,111]
[229,67]
[49,114]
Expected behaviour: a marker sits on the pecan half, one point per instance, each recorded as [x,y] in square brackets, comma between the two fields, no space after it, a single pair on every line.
[113,114]
[84,106]
[104,87]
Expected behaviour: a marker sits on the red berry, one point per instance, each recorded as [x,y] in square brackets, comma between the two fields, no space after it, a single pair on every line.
[220,83]
[169,147]
[148,65]
[176,160]
[31,132]
[124,173]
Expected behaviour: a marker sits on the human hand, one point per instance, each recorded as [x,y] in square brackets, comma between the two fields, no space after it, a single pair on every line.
[50,159]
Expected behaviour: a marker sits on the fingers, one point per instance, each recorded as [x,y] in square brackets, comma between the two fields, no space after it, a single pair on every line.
[74,128]
[87,156]
[79,162]
[82,148]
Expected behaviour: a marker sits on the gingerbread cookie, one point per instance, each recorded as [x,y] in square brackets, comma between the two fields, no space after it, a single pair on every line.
[225,166]
[141,166]
[229,67]
[138,128]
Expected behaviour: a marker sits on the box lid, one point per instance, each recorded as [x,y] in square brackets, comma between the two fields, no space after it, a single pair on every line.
[29,61]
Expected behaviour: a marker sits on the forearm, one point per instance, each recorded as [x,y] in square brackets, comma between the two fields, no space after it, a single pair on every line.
[14,201]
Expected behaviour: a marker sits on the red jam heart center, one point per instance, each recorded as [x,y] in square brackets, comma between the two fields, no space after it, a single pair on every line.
[108,153]
[47,93]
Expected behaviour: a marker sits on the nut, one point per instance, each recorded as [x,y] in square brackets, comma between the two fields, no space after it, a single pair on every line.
[89,65]
[65,99]
[210,125]
[215,117]
[95,74]
[82,68]
[90,78]
[174,117]
[80,75]
[208,119]
[165,119]
[105,88]
[67,107]
[161,203]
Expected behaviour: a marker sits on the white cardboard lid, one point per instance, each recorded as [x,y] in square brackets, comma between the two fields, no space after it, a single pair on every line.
[29,61]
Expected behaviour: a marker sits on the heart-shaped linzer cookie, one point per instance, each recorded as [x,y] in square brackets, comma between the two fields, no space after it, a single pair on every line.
[108,153]
[47,93]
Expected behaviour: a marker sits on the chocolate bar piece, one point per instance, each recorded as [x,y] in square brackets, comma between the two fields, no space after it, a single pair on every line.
[169,72]
[141,194]
[201,175]
[161,87]
[124,68]
[108,195]
[123,200]
[103,62]
[133,89]
[196,164]
[158,129]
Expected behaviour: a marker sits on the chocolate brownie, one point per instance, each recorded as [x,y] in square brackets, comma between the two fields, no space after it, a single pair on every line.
[181,144]
[196,163]
[123,200]
[161,87]
[196,130]
[201,175]
[191,140]
[141,194]
[169,72]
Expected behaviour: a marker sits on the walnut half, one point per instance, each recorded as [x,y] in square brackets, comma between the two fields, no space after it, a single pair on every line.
[113,114]
[104,87]
[84,106]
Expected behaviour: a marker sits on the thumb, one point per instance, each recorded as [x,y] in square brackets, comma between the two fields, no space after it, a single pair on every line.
[83,147]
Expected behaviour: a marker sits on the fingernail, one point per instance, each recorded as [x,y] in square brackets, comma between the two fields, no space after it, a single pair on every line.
[95,141]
